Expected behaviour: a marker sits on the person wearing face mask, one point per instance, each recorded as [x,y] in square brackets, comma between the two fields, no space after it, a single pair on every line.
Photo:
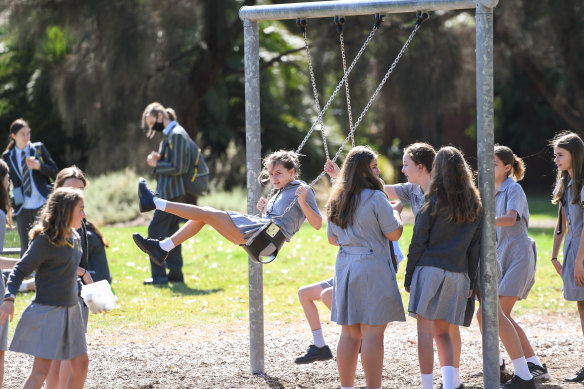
[170,163]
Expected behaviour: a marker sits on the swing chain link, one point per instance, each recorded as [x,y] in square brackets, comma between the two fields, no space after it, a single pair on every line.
[421,18]
[349,109]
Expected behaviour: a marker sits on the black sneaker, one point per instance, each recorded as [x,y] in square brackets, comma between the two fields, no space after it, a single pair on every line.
[517,383]
[146,196]
[538,372]
[458,387]
[152,248]
[315,354]
[504,375]
[578,378]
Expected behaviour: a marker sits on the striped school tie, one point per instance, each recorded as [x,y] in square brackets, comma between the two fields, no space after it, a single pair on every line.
[25,176]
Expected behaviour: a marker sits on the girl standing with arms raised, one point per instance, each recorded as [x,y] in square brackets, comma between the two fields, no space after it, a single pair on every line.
[281,168]
[516,251]
[569,194]
[32,171]
[365,295]
[443,260]
[55,254]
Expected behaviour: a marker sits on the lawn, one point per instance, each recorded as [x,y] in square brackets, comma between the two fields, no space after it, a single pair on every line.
[216,287]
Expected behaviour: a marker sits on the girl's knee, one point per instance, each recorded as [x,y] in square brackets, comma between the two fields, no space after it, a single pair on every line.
[80,363]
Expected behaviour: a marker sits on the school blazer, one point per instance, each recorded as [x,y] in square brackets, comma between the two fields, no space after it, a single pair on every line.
[175,152]
[43,178]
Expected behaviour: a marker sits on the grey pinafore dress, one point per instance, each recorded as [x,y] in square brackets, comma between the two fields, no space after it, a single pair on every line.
[516,251]
[574,213]
[365,288]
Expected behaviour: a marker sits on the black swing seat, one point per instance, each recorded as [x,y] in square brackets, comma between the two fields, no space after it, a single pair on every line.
[265,242]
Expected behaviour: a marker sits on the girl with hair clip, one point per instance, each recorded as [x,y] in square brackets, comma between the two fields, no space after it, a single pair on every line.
[516,251]
[281,168]
[569,195]
[54,253]
[32,171]
[443,260]
[366,297]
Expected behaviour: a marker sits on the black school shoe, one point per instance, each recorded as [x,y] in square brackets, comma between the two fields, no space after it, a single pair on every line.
[458,387]
[315,354]
[539,373]
[578,378]
[152,248]
[504,375]
[146,196]
[517,383]
[156,281]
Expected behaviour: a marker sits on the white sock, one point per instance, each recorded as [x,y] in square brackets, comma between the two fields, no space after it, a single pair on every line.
[159,203]
[447,375]
[166,244]
[347,387]
[427,381]
[500,359]
[521,369]
[318,338]
[535,361]
[456,378]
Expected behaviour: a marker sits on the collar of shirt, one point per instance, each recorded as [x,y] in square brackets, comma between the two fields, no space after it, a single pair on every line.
[508,181]
[169,128]
[26,149]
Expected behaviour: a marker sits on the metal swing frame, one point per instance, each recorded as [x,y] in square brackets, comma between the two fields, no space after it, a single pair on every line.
[251,16]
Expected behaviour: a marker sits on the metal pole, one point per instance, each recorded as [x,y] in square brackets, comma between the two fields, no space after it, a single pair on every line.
[253,165]
[486,156]
[321,9]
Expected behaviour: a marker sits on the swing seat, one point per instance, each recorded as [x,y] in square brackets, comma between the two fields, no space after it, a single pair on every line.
[266,242]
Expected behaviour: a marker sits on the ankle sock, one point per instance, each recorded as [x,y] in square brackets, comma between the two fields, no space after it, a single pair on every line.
[427,381]
[347,387]
[318,337]
[159,203]
[447,375]
[534,360]
[500,359]
[456,378]
[521,369]
[166,244]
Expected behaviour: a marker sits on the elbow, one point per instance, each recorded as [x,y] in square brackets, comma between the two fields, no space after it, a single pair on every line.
[396,234]
[317,224]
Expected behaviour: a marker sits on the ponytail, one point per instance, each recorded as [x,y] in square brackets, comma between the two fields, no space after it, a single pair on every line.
[16,126]
[505,154]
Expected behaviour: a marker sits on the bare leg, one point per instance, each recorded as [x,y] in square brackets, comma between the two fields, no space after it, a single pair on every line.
[348,353]
[307,295]
[454,332]
[425,345]
[507,334]
[52,380]
[1,368]
[444,342]
[79,367]
[581,313]
[326,296]
[188,230]
[217,219]
[507,303]
[372,354]
[40,370]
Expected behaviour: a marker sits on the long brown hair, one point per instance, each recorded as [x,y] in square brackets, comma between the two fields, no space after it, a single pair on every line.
[154,109]
[573,144]
[356,175]
[4,196]
[506,155]
[451,181]
[55,218]
[15,126]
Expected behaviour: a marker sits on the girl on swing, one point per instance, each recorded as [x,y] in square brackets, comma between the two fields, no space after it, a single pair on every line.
[280,167]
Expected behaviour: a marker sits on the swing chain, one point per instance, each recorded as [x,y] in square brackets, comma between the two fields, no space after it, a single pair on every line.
[383,81]
[314,93]
[349,109]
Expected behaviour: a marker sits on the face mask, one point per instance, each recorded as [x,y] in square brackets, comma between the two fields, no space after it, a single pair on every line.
[158,127]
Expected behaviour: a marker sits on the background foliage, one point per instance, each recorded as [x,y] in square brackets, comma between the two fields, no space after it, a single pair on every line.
[82,71]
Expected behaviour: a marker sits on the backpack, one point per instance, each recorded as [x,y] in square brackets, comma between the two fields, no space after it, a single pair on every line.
[196,179]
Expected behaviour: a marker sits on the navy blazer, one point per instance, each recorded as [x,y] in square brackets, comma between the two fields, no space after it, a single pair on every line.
[43,178]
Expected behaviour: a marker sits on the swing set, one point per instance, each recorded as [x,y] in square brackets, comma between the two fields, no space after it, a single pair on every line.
[339,10]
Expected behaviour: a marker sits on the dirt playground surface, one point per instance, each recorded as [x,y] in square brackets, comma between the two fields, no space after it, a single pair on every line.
[218,357]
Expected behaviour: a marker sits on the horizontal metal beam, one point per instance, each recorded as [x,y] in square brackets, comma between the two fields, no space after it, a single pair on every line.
[321,9]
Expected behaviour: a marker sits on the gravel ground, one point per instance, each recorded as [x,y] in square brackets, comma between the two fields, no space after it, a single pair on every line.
[218,357]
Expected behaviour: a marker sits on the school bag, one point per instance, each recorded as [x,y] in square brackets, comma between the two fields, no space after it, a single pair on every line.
[196,179]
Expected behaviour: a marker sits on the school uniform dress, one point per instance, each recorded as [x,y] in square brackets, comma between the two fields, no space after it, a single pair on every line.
[442,266]
[365,288]
[51,327]
[175,155]
[31,188]
[289,223]
[516,251]
[573,213]
[412,194]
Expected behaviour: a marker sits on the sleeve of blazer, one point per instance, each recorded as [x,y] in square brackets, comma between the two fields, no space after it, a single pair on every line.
[48,166]
[420,238]
[474,251]
[177,158]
